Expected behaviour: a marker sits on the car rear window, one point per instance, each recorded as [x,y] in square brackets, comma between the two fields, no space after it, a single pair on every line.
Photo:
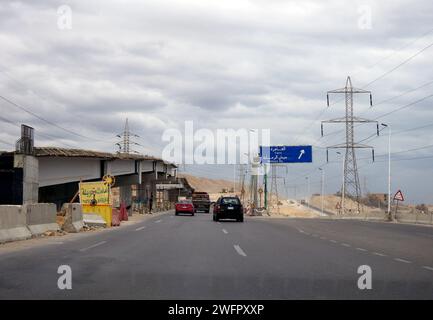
[200,196]
[230,201]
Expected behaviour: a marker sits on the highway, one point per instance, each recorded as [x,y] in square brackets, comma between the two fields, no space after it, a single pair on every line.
[184,257]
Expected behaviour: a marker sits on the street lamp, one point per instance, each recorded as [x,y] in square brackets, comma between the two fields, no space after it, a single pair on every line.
[389,168]
[343,189]
[323,186]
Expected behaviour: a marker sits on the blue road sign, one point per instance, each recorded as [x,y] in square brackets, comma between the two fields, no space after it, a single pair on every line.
[286,154]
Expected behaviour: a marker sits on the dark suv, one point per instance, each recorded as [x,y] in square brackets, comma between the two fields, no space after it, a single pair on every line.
[228,208]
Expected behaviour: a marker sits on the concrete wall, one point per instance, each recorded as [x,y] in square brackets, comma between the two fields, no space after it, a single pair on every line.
[13,224]
[41,217]
[119,167]
[53,171]
[146,165]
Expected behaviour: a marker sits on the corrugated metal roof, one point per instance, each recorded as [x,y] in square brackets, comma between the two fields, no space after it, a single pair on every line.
[82,153]
[64,152]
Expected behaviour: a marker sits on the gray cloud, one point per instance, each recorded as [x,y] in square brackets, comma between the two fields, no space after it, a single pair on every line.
[249,64]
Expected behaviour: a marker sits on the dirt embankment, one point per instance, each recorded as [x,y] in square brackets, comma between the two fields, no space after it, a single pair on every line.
[206,184]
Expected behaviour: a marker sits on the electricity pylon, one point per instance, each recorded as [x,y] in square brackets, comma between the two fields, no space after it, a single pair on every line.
[351,187]
[274,188]
[125,143]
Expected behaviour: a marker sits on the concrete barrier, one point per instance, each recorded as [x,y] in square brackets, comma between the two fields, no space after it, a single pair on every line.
[41,217]
[13,224]
[93,219]
[73,217]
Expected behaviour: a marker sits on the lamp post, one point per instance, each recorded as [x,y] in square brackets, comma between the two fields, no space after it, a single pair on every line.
[343,188]
[389,169]
[323,186]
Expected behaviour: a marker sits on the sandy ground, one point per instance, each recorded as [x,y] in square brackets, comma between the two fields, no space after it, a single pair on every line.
[60,239]
[293,209]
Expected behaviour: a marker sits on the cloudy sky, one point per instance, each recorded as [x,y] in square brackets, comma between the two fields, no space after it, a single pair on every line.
[224,64]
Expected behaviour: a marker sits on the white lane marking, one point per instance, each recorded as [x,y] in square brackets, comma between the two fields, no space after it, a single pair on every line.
[141,228]
[428,268]
[333,241]
[158,221]
[402,260]
[345,244]
[93,246]
[361,249]
[301,231]
[239,250]
[379,254]
[225,231]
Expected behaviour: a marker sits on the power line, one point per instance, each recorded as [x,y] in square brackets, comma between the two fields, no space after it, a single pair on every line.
[50,137]
[384,74]
[400,48]
[47,121]
[399,65]
[376,104]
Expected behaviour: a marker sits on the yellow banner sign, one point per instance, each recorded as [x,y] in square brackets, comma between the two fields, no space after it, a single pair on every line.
[94,193]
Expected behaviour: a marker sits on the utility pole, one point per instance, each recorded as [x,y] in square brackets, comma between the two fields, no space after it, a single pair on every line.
[254,180]
[351,186]
[389,170]
[322,182]
[242,181]
[265,187]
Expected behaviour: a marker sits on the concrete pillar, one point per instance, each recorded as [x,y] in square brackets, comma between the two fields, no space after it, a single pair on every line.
[30,166]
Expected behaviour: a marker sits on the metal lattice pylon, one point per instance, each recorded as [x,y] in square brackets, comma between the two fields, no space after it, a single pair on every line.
[350,187]
[125,144]
[274,196]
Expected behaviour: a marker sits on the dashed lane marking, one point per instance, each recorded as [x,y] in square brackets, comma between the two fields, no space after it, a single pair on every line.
[346,244]
[225,231]
[141,228]
[239,250]
[402,260]
[93,246]
[379,254]
[158,221]
[428,268]
[361,249]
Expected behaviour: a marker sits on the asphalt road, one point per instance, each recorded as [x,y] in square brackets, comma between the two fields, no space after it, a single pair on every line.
[184,257]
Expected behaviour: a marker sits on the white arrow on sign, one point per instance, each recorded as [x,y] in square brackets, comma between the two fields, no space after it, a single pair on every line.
[301,153]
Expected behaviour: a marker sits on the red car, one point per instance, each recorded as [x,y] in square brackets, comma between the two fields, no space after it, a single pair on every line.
[184,206]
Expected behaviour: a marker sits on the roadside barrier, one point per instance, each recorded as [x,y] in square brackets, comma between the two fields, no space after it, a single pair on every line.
[13,224]
[41,217]
[73,217]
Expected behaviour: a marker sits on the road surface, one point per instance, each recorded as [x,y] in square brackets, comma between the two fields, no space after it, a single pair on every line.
[184,257]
